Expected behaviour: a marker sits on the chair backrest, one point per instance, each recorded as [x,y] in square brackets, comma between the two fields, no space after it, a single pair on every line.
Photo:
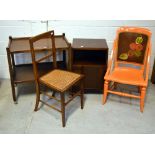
[40,44]
[132,46]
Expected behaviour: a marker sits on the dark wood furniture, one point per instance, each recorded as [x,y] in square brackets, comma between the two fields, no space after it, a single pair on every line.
[23,73]
[57,80]
[89,57]
[153,73]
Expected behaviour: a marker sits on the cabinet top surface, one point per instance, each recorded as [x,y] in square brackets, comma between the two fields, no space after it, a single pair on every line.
[22,44]
[79,43]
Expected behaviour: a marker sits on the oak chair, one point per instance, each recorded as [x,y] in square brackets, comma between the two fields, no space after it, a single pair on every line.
[129,63]
[57,80]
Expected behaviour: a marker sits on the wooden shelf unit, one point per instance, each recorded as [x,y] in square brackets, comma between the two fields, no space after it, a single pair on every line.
[23,73]
[89,57]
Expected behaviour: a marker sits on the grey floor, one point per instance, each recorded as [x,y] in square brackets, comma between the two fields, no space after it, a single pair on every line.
[118,115]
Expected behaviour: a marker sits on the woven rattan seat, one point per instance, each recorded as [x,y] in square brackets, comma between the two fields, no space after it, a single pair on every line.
[60,80]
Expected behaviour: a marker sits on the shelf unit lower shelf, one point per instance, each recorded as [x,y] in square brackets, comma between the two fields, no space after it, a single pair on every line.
[24,73]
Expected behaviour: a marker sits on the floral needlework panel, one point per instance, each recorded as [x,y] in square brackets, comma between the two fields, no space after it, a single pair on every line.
[132,47]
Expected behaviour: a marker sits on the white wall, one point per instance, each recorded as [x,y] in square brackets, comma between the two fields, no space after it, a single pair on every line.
[73,29]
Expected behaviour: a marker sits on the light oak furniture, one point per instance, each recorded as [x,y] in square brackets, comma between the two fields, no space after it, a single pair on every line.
[57,80]
[129,63]
[23,73]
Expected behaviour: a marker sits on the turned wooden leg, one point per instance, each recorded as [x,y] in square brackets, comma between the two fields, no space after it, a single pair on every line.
[13,91]
[37,96]
[11,75]
[143,92]
[63,109]
[82,94]
[105,91]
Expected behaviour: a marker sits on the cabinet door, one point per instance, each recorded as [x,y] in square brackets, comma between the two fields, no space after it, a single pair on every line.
[94,77]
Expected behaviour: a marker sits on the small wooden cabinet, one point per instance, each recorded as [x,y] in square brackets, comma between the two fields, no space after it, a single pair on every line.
[89,57]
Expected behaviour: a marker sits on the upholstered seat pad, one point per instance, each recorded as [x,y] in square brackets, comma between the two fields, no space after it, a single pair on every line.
[60,80]
[127,76]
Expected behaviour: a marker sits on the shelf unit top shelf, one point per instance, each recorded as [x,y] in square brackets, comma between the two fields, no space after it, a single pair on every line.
[20,45]
[89,44]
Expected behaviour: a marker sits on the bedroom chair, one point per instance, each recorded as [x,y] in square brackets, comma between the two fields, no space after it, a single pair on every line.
[129,63]
[57,80]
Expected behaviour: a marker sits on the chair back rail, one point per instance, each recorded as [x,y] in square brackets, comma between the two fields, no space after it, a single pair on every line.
[51,51]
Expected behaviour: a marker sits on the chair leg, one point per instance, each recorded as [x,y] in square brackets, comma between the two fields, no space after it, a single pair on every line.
[82,93]
[63,109]
[37,97]
[105,91]
[143,92]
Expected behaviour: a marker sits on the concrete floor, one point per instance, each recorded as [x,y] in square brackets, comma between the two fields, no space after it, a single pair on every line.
[118,115]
